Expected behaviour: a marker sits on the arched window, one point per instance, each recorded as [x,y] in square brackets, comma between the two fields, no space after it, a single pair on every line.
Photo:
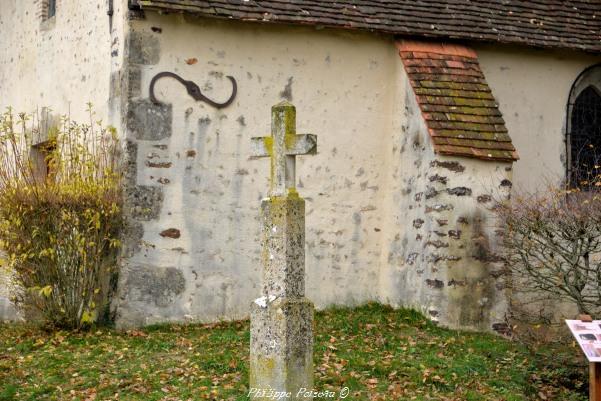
[584,130]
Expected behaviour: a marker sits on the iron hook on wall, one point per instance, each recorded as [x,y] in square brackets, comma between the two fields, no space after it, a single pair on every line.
[193,89]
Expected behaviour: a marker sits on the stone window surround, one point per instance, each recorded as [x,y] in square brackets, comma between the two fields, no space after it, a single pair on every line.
[590,76]
[47,22]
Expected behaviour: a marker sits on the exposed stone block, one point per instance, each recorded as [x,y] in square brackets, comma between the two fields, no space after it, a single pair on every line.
[144,48]
[133,81]
[130,156]
[159,286]
[149,121]
[133,232]
[144,202]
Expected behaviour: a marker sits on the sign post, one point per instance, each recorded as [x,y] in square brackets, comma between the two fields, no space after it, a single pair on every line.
[588,335]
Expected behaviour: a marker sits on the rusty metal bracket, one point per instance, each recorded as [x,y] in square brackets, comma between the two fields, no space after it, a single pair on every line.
[193,89]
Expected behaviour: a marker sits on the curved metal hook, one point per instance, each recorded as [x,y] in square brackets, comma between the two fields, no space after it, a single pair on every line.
[193,89]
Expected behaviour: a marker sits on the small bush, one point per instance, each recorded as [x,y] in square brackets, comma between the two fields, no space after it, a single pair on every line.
[552,245]
[60,216]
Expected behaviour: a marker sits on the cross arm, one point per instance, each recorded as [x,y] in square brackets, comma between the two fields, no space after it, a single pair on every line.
[302,145]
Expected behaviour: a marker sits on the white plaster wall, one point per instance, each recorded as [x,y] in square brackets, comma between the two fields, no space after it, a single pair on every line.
[440,242]
[532,87]
[343,85]
[61,65]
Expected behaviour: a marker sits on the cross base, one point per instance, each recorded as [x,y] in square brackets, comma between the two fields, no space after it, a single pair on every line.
[281,348]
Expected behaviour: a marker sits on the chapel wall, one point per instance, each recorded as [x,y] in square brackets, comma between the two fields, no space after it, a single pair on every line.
[59,63]
[532,87]
[193,249]
[443,257]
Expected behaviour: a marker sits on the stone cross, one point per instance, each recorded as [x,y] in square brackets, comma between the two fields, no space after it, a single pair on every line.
[282,147]
[281,342]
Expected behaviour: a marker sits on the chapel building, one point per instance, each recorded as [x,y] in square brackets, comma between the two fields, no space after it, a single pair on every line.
[427,112]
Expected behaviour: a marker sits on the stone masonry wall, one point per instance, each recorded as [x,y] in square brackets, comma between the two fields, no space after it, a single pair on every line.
[441,258]
[387,219]
[193,249]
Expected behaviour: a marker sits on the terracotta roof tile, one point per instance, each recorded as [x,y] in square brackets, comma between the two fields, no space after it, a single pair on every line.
[570,24]
[461,114]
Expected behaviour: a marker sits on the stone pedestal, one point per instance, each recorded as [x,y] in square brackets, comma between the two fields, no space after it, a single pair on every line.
[281,348]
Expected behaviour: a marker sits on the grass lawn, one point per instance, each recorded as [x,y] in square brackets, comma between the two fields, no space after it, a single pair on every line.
[377,352]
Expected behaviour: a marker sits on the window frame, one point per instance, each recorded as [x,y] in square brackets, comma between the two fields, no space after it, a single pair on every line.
[50,9]
[590,76]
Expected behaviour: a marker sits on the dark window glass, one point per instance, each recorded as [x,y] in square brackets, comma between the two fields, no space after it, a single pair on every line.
[51,8]
[585,139]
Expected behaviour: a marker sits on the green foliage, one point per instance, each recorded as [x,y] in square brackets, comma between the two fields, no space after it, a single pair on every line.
[60,215]
[379,353]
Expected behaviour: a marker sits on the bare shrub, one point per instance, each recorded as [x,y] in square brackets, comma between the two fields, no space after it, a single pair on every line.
[552,245]
[59,228]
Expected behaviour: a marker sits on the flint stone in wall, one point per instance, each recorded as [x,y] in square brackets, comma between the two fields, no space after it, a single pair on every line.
[437,244]
[502,328]
[411,258]
[149,121]
[438,178]
[455,234]
[459,191]
[453,166]
[438,208]
[430,193]
[435,283]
